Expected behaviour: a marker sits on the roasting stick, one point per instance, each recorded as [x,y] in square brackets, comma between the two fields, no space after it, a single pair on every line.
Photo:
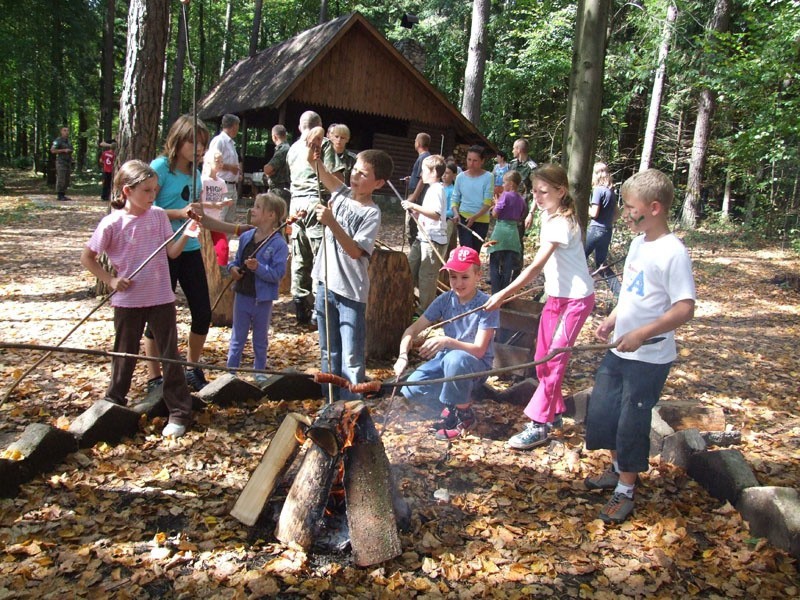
[105,299]
[483,306]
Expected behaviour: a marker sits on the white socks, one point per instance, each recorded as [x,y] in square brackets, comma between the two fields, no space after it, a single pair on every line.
[624,489]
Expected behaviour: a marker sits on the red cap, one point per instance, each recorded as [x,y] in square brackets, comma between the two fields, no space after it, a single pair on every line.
[461,258]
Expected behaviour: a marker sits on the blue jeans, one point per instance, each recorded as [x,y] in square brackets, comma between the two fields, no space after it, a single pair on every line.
[446,364]
[249,314]
[598,239]
[347,322]
[502,264]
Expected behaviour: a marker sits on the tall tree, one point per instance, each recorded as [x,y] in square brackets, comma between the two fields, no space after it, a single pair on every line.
[585,99]
[649,141]
[705,112]
[140,102]
[178,66]
[256,27]
[226,39]
[107,72]
[476,62]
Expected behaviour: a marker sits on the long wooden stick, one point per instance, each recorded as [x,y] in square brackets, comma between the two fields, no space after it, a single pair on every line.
[464,225]
[46,355]
[481,307]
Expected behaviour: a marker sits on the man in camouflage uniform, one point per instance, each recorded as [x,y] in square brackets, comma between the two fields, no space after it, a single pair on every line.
[277,169]
[306,232]
[62,148]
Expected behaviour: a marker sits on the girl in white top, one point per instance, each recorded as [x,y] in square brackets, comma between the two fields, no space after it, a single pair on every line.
[570,300]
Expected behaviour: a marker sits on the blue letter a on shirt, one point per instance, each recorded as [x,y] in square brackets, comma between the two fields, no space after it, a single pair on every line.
[637,285]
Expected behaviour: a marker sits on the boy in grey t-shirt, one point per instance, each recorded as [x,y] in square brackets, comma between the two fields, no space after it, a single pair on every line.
[351,222]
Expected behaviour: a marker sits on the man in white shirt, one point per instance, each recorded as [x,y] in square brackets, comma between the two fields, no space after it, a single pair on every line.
[230,171]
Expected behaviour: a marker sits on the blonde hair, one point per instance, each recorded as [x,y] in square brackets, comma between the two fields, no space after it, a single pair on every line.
[434,162]
[339,129]
[555,176]
[182,131]
[131,174]
[272,203]
[649,186]
[208,162]
[601,175]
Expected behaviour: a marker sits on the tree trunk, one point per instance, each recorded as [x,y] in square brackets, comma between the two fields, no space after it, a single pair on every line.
[107,74]
[585,100]
[388,315]
[177,74]
[726,197]
[201,60]
[705,112]
[678,144]
[222,313]
[140,102]
[323,12]
[81,145]
[226,39]
[256,27]
[476,62]
[649,141]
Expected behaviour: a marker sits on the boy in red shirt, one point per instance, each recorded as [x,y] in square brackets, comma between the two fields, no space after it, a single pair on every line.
[107,165]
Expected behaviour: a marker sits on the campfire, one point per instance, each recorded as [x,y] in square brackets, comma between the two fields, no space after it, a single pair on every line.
[345,465]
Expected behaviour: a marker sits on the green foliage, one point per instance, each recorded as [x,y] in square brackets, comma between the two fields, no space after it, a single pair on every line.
[18,213]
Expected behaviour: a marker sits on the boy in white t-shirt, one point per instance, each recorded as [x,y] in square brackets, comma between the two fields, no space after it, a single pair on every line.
[214,199]
[431,242]
[657,296]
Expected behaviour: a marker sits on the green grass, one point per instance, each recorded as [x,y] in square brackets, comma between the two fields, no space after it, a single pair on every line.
[18,214]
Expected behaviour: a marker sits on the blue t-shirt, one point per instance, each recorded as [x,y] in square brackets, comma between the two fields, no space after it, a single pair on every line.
[606,199]
[175,193]
[466,328]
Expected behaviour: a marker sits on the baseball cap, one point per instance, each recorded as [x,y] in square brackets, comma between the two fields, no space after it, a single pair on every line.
[461,258]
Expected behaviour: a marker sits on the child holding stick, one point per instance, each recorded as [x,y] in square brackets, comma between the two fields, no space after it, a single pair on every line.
[128,236]
[465,346]
[257,270]
[570,292]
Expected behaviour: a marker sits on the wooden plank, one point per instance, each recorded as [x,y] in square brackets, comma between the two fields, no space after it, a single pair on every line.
[508,356]
[276,460]
[688,414]
[516,320]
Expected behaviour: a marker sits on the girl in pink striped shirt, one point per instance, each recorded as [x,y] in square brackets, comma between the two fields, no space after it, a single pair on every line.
[128,236]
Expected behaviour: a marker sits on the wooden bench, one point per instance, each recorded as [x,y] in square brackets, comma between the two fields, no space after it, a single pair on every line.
[515,340]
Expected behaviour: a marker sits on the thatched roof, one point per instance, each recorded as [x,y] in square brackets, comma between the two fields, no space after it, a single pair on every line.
[345,64]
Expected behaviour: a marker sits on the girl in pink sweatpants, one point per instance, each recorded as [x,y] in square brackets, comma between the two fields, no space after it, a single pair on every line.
[570,292]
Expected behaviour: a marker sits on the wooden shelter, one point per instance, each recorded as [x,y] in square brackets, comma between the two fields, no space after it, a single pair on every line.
[348,72]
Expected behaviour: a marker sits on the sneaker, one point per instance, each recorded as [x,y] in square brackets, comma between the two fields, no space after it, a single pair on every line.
[154,383]
[534,434]
[457,422]
[617,509]
[261,380]
[447,419]
[607,480]
[173,430]
[195,379]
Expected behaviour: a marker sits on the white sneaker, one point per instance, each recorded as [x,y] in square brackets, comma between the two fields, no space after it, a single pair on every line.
[173,430]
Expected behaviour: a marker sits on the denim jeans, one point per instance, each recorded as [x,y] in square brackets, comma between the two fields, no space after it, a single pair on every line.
[347,323]
[598,239]
[446,364]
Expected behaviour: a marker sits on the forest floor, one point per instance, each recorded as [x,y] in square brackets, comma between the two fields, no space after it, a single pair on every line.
[149,518]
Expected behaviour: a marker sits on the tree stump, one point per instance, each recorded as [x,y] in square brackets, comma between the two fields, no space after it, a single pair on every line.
[391,302]
[222,315]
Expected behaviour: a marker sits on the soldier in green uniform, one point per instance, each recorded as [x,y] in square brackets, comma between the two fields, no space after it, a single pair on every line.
[62,148]
[277,170]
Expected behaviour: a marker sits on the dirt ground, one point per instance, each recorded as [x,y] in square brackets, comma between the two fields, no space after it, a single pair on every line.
[149,518]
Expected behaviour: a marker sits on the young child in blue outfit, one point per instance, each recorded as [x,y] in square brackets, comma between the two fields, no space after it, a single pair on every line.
[257,270]
[351,221]
[657,296]
[464,346]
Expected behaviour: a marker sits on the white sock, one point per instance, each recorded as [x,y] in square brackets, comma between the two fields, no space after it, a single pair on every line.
[624,489]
